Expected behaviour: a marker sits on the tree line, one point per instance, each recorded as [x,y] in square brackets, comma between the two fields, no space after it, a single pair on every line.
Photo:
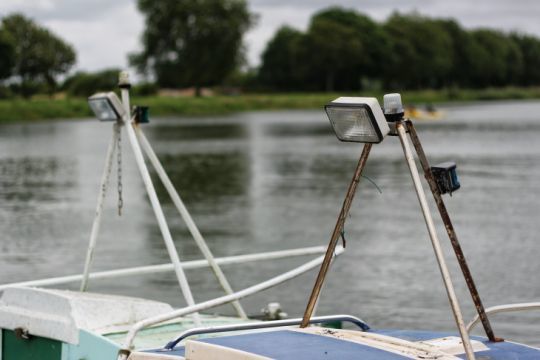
[346,50]
[200,44]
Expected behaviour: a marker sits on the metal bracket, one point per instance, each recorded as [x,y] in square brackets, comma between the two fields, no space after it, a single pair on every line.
[22,333]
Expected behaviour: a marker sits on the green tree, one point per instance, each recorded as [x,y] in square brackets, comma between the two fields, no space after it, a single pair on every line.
[342,47]
[40,56]
[191,43]
[530,51]
[281,60]
[460,52]
[7,55]
[421,52]
[499,61]
[85,84]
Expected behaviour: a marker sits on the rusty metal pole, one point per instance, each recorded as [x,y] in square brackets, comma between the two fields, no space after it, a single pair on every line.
[451,233]
[445,273]
[335,236]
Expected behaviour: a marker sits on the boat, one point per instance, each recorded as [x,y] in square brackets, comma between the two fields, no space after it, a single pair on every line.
[41,320]
[362,120]
[38,322]
[429,113]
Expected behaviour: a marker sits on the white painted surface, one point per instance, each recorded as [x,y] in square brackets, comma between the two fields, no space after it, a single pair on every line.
[196,350]
[407,349]
[148,356]
[59,315]
[454,345]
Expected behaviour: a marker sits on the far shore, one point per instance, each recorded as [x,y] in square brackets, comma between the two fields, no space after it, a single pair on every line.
[45,108]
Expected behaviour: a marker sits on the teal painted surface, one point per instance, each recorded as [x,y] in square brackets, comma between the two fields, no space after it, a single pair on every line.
[158,336]
[90,347]
[35,348]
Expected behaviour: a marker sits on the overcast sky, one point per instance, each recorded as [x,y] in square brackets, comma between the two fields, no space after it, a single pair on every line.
[104,31]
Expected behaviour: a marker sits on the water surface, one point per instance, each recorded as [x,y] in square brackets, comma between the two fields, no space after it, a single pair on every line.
[275,180]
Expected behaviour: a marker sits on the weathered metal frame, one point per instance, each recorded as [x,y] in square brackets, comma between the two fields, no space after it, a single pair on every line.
[428,174]
[315,293]
[401,128]
[445,273]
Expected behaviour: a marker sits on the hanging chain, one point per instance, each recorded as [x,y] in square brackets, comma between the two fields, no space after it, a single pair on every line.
[119,168]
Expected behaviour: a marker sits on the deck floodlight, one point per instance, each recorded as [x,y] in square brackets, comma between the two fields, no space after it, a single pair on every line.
[106,106]
[357,119]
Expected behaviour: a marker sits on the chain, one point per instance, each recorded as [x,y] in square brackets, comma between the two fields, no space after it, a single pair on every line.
[119,168]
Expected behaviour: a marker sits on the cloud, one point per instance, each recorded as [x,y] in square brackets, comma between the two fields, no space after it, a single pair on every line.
[105,31]
[102,32]
[63,10]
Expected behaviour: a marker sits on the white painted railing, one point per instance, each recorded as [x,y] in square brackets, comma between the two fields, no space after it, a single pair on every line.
[504,308]
[186,265]
[128,343]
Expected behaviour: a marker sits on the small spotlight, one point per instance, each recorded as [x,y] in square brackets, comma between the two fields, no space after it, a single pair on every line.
[357,119]
[393,108]
[106,106]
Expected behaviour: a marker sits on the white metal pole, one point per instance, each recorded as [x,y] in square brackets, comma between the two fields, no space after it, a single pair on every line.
[184,213]
[435,242]
[99,208]
[162,222]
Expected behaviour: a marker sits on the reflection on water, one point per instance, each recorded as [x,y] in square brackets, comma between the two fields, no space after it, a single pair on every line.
[204,176]
[275,180]
[197,131]
[26,181]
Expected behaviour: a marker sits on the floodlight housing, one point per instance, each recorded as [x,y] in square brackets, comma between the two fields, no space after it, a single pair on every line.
[106,106]
[357,119]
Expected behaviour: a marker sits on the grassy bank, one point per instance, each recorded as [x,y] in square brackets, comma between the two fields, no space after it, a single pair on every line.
[39,109]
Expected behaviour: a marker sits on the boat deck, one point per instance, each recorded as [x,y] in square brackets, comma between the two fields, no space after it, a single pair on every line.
[288,344]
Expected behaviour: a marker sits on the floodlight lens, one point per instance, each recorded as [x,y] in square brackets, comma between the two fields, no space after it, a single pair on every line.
[103,109]
[353,124]
[106,106]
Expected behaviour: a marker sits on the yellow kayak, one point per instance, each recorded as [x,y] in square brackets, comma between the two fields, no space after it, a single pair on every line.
[420,114]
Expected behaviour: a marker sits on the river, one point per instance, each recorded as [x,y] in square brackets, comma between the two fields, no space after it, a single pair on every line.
[264,181]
